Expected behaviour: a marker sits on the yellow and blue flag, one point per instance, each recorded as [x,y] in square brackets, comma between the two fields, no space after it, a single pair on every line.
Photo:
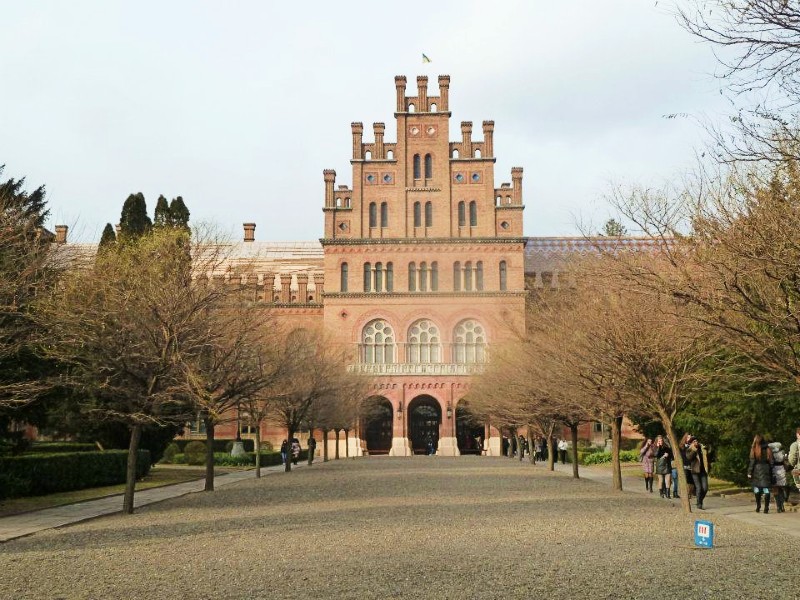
[425,59]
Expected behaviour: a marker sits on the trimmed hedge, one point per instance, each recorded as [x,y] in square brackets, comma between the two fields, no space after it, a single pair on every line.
[223,459]
[57,447]
[38,474]
[220,445]
[598,458]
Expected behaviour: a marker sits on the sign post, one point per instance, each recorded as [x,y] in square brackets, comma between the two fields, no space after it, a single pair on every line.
[704,534]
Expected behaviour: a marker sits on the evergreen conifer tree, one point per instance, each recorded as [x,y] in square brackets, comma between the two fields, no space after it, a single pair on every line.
[162,216]
[179,213]
[134,221]
[109,238]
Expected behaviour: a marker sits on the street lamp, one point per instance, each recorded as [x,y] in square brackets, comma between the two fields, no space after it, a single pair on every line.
[449,410]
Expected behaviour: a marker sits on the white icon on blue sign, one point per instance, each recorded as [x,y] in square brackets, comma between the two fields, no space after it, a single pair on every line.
[704,534]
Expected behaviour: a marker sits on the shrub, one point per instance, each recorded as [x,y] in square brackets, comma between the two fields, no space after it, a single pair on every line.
[599,458]
[37,474]
[224,459]
[55,447]
[195,453]
[170,452]
[179,459]
[220,445]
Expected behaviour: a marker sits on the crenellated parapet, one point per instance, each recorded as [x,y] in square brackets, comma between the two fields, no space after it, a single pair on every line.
[269,287]
[422,102]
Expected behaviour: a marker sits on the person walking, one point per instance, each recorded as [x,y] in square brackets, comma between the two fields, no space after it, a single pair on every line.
[697,457]
[284,451]
[760,471]
[663,459]
[794,458]
[312,448]
[646,458]
[521,445]
[295,451]
[563,446]
[778,475]
[683,445]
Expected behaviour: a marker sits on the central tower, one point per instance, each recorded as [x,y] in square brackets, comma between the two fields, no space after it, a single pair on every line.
[424,268]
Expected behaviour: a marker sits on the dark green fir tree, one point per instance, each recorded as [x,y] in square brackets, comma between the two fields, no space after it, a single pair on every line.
[109,238]
[134,221]
[162,216]
[179,213]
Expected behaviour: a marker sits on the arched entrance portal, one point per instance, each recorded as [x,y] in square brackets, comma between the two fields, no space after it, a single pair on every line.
[378,425]
[469,431]
[424,418]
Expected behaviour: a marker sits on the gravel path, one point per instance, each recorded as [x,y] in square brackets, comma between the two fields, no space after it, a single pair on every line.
[419,528]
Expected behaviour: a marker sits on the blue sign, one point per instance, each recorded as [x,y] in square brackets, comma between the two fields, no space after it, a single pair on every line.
[703,534]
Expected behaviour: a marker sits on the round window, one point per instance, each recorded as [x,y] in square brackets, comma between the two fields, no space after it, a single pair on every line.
[476,177]
[459,177]
[387,178]
[343,226]
[414,130]
[504,225]
[371,178]
[431,130]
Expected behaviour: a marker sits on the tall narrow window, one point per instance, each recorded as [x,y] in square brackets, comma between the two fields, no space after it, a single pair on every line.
[428,214]
[428,166]
[373,214]
[367,277]
[479,276]
[468,276]
[473,214]
[434,276]
[423,277]
[378,277]
[417,214]
[384,214]
[343,279]
[417,173]
[456,276]
[389,277]
[412,277]
[503,276]
[462,214]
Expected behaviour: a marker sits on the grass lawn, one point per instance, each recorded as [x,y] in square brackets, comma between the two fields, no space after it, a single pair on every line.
[159,475]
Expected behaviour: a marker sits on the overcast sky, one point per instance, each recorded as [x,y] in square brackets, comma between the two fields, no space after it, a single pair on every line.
[238,106]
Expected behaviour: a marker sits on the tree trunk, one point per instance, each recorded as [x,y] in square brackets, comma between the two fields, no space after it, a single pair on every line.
[288,466]
[346,444]
[531,449]
[210,424]
[336,451]
[551,459]
[573,432]
[616,468]
[258,450]
[666,422]
[130,474]
[325,445]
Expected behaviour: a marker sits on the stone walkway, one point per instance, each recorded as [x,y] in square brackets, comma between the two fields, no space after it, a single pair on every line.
[741,508]
[16,526]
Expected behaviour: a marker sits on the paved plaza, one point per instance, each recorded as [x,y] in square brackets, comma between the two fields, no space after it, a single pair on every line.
[424,527]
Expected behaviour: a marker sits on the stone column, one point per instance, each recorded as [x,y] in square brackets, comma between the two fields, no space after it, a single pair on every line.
[400,443]
[286,292]
[302,285]
[319,280]
[448,445]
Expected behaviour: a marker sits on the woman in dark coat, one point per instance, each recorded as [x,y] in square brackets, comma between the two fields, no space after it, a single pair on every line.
[663,457]
[760,471]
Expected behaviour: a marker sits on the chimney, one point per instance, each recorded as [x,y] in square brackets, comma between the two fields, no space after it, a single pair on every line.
[61,234]
[330,178]
[516,177]
[319,279]
[302,285]
[249,232]
[117,229]
[286,292]
[268,279]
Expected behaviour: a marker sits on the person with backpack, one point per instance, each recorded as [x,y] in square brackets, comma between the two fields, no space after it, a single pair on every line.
[760,471]
[778,475]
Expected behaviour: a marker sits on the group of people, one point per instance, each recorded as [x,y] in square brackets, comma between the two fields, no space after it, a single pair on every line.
[519,446]
[658,458]
[768,469]
[294,448]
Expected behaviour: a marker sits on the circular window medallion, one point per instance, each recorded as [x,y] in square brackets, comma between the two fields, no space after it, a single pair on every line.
[387,178]
[459,177]
[504,225]
[431,130]
[476,177]
[371,178]
[414,130]
[343,226]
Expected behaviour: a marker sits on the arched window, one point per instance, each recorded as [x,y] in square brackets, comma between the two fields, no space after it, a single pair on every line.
[338,203]
[428,214]
[469,343]
[389,277]
[477,153]
[367,277]
[417,169]
[373,214]
[411,108]
[377,343]
[457,276]
[434,276]
[423,277]
[390,154]
[479,276]
[468,276]
[368,155]
[473,214]
[503,276]
[424,343]
[508,199]
[433,107]
[384,214]
[428,166]
[343,278]
[462,214]
[378,277]
[455,152]
[347,203]
[417,214]
[498,201]
[412,277]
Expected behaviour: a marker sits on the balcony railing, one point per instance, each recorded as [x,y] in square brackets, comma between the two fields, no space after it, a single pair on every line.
[416,369]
